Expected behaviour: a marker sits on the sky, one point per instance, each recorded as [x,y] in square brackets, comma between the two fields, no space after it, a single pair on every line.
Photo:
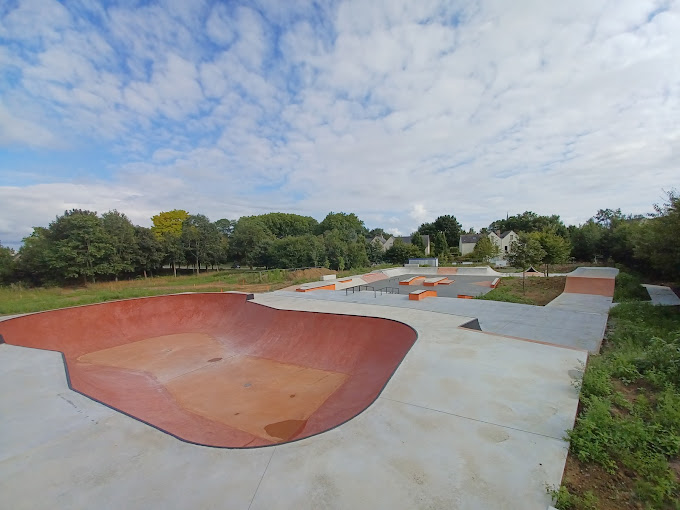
[398,111]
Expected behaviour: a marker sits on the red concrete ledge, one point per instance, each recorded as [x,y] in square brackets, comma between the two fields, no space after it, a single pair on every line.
[218,370]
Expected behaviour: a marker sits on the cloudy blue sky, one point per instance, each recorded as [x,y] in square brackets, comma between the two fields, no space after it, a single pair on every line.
[396,110]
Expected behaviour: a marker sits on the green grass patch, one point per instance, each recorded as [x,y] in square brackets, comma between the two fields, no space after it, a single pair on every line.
[16,299]
[536,291]
[630,397]
[564,500]
[629,288]
[508,295]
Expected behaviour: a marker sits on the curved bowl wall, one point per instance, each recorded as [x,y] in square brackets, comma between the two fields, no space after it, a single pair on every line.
[218,369]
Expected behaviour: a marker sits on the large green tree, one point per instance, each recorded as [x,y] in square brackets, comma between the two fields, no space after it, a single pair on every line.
[485,249]
[33,263]
[149,253]
[656,244]
[251,241]
[337,249]
[226,227]
[200,239]
[349,226]
[286,224]
[7,264]
[528,222]
[121,233]
[375,253]
[525,251]
[556,248]
[586,241]
[398,253]
[297,252]
[417,241]
[357,253]
[79,246]
[441,248]
[448,224]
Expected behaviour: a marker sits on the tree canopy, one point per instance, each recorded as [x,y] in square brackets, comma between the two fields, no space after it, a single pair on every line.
[528,222]
[348,225]
[447,224]
[485,249]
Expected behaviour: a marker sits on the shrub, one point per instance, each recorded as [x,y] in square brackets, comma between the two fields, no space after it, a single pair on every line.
[629,288]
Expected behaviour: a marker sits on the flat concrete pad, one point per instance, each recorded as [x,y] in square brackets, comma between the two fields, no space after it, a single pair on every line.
[418,459]
[572,320]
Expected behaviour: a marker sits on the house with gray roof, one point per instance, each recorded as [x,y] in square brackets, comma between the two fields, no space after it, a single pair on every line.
[503,240]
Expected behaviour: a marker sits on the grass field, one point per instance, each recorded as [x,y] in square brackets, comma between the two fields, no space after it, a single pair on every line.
[17,299]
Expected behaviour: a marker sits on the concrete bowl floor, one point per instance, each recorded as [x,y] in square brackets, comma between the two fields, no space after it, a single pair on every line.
[218,370]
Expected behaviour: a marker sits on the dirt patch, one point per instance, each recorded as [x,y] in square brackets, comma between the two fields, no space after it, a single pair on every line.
[614,492]
[314,273]
[242,286]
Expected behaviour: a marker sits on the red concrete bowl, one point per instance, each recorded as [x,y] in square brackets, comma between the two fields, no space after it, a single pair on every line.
[218,369]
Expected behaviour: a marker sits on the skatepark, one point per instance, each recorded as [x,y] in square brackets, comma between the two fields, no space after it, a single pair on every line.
[326,395]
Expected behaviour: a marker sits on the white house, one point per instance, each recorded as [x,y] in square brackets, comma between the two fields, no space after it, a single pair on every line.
[503,240]
[468,242]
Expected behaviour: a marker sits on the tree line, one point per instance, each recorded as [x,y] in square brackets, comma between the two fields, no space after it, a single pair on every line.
[647,244]
[84,246]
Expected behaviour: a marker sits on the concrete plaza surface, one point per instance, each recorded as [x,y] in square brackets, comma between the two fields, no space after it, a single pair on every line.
[469,420]
[571,320]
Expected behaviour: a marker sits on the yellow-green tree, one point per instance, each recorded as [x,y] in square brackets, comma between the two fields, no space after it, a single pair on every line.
[167,227]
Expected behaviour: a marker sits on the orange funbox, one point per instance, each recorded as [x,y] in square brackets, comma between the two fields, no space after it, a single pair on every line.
[419,295]
[415,280]
[431,282]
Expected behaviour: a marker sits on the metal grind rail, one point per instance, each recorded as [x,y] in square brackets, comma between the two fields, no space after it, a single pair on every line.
[385,290]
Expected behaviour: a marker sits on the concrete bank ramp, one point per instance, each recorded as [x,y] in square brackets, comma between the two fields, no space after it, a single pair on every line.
[588,289]
[662,295]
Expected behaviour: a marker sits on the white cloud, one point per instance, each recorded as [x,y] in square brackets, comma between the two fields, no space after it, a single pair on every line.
[219,26]
[16,131]
[419,213]
[387,108]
